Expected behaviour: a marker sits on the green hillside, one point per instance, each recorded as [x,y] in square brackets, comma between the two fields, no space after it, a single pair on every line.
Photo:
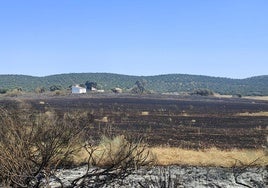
[161,83]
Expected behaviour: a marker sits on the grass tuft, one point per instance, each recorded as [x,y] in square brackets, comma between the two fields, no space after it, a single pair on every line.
[209,157]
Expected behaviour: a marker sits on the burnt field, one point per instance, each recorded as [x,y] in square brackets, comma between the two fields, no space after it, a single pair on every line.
[181,121]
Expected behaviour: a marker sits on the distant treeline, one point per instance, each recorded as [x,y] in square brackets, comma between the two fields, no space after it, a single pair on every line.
[161,84]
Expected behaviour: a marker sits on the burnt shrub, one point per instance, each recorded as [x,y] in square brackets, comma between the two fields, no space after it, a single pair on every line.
[34,145]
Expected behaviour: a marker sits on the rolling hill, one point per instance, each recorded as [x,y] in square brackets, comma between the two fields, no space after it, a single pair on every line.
[160,83]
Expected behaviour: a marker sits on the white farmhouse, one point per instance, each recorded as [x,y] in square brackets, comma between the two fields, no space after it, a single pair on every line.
[77,89]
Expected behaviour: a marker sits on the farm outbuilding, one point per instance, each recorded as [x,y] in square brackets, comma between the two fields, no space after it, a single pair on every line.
[117,90]
[77,89]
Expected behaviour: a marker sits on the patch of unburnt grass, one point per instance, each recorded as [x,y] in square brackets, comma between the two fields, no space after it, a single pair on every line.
[209,157]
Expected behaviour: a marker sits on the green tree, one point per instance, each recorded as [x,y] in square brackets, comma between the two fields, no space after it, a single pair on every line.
[82,85]
[3,91]
[203,92]
[55,88]
[139,87]
[89,85]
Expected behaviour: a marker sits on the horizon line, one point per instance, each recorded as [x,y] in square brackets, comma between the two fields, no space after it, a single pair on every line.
[129,75]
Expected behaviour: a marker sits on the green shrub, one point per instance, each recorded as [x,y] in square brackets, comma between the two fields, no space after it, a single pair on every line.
[3,91]
[203,92]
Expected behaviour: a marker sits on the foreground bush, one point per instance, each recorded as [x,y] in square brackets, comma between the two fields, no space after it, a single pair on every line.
[31,148]
[34,146]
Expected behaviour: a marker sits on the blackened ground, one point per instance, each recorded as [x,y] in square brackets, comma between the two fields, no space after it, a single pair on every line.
[181,121]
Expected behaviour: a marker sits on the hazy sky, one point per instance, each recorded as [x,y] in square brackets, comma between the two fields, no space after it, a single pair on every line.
[227,38]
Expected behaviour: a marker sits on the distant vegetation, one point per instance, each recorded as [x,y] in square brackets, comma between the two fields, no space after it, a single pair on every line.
[159,84]
[202,92]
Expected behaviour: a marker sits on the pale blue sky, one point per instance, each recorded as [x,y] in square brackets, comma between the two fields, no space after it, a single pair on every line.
[226,38]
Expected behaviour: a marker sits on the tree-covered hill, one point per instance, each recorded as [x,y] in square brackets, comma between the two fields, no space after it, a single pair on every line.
[160,83]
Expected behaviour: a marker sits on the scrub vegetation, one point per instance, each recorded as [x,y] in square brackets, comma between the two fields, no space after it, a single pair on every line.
[170,83]
[34,146]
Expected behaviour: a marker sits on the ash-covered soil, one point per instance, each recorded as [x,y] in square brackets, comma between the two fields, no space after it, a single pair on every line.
[181,177]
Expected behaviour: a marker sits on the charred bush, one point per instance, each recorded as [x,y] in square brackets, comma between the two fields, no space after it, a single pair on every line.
[34,146]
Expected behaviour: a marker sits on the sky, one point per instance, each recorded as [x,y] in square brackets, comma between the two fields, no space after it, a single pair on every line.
[223,38]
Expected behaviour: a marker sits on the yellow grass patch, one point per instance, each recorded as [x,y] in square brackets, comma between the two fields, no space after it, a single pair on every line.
[113,150]
[257,97]
[209,157]
[265,98]
[222,96]
[80,157]
[103,120]
[144,113]
[253,114]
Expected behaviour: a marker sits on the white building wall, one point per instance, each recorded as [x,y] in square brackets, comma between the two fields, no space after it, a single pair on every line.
[77,89]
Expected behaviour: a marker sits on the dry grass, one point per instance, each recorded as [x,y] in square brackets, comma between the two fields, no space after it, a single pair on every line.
[257,97]
[253,114]
[265,98]
[222,96]
[110,150]
[144,113]
[208,157]
[103,120]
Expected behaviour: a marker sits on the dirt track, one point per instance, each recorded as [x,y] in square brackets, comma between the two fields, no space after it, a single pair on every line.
[188,122]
